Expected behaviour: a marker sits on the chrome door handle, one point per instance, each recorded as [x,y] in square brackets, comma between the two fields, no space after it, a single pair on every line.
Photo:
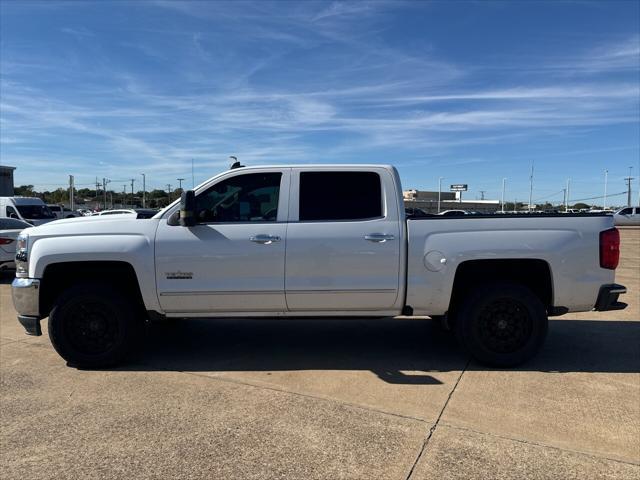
[378,237]
[265,239]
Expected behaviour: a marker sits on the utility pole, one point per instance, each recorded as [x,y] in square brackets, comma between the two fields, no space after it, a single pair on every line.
[565,200]
[97,188]
[504,181]
[169,191]
[124,195]
[604,205]
[132,197]
[439,191]
[144,191]
[105,181]
[568,191]
[628,179]
[180,180]
[71,193]
[482,192]
[531,188]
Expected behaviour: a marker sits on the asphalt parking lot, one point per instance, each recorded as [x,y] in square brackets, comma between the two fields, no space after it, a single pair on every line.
[329,399]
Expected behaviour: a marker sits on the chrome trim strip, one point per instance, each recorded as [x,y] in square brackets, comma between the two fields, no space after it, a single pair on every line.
[277,292]
[345,292]
[217,292]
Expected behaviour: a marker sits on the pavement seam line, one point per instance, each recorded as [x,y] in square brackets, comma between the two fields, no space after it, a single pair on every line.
[435,425]
[305,395]
[541,445]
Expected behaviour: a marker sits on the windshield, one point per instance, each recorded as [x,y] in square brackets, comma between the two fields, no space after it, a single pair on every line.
[35,212]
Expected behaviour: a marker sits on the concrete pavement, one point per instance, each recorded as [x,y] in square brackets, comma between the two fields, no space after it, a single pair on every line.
[329,399]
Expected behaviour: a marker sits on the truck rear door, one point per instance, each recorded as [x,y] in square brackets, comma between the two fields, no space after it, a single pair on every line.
[343,240]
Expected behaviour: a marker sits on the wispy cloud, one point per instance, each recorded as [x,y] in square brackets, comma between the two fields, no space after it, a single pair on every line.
[78,32]
[315,81]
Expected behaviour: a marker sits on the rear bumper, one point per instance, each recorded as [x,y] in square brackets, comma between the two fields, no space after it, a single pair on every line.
[608,297]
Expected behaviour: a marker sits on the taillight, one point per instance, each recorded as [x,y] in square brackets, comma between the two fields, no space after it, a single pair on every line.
[5,241]
[609,248]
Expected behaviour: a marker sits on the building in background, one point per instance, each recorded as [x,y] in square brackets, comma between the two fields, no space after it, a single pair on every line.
[428,201]
[6,181]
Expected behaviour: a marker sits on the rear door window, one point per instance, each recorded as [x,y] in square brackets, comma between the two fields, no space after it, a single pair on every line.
[332,196]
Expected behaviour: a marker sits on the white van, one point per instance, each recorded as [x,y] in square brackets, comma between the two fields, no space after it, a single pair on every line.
[30,209]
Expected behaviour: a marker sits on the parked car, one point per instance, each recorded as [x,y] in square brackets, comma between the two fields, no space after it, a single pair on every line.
[10,228]
[453,213]
[61,211]
[29,209]
[311,241]
[121,211]
[627,216]
[137,212]
[145,212]
[416,212]
[84,212]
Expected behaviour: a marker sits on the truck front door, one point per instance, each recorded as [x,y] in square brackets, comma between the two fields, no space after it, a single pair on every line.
[232,260]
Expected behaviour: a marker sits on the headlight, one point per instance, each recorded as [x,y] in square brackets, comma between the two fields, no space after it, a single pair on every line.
[22,256]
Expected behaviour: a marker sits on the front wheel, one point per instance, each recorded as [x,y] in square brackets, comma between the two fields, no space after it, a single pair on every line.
[502,325]
[93,326]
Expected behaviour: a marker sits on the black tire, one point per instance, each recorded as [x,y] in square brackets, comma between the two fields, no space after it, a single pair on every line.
[94,326]
[502,325]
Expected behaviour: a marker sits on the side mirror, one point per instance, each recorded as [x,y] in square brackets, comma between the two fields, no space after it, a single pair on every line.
[13,215]
[188,208]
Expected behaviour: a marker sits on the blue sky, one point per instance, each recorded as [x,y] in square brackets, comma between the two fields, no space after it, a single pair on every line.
[469,91]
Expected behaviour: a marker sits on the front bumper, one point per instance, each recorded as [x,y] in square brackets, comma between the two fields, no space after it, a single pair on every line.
[26,300]
[608,297]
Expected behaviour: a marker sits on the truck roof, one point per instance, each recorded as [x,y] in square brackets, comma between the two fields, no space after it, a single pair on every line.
[323,166]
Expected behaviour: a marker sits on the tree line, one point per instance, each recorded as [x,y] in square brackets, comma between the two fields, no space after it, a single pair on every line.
[155,198]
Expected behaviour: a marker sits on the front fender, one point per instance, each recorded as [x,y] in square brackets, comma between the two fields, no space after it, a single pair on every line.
[135,249]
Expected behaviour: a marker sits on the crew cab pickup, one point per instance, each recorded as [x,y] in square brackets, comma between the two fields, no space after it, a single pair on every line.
[311,241]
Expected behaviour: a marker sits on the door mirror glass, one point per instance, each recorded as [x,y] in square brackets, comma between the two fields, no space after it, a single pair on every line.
[188,208]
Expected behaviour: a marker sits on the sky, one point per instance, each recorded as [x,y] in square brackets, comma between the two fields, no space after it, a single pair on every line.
[472,92]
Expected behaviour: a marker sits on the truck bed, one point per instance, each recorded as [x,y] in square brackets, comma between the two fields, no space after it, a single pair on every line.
[567,243]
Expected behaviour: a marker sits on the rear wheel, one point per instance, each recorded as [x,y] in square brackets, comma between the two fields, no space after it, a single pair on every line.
[93,326]
[502,324]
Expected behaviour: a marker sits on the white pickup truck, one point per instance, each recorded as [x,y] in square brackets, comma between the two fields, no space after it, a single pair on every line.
[311,241]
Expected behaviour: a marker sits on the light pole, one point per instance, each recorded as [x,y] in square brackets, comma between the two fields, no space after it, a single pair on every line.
[144,191]
[604,205]
[568,193]
[504,181]
[180,180]
[439,191]
[531,188]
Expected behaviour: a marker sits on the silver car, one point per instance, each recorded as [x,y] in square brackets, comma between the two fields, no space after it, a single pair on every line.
[627,216]
[9,230]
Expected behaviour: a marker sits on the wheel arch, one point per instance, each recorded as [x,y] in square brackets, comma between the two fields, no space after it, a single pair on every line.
[58,277]
[534,274]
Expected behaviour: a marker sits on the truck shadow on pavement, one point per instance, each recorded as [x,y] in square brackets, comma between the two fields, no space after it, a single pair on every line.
[387,347]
